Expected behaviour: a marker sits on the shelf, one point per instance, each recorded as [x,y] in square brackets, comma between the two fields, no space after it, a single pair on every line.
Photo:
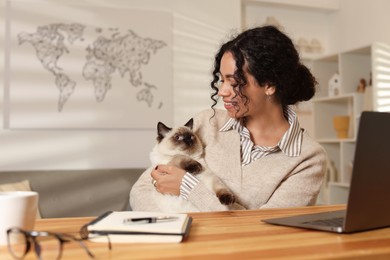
[316,6]
[336,140]
[326,108]
[335,98]
[339,184]
[324,68]
[351,66]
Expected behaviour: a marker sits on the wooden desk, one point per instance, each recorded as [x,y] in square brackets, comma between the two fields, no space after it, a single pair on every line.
[235,235]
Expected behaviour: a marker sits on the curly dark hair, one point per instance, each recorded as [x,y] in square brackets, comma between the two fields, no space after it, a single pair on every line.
[270,56]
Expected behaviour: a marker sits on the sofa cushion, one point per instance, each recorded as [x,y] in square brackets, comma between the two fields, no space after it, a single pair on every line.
[78,193]
[23,185]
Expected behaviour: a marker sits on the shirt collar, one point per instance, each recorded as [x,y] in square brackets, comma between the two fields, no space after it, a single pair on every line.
[290,143]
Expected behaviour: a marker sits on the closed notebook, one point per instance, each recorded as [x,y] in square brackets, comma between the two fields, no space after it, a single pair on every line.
[140,227]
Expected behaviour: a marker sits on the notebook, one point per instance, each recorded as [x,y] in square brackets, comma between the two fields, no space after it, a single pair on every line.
[138,227]
[368,205]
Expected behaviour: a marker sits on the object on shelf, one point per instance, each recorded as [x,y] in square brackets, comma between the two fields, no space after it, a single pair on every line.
[316,46]
[334,85]
[303,45]
[370,80]
[367,99]
[349,171]
[362,86]
[341,125]
[331,171]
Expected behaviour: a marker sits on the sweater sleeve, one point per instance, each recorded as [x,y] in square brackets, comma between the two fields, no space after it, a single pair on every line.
[187,184]
[206,200]
[141,194]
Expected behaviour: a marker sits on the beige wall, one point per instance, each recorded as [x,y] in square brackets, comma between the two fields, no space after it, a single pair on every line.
[362,22]
[199,26]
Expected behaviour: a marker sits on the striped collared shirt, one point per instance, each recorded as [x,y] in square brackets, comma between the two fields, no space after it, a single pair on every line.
[290,143]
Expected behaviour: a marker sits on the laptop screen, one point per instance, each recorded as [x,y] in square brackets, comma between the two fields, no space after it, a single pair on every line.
[368,202]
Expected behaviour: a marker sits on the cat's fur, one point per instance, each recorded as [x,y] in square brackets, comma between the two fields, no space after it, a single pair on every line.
[182,147]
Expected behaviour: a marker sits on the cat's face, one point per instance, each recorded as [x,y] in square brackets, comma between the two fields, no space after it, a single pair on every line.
[181,140]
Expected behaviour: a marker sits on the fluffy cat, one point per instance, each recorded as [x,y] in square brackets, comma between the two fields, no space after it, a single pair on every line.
[182,147]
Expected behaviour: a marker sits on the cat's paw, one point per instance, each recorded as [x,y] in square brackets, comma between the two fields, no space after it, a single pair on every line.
[226,197]
[194,167]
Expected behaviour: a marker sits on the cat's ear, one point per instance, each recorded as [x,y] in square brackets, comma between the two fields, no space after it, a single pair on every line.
[162,130]
[190,123]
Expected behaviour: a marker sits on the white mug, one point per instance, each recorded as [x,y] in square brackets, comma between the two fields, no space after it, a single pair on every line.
[17,209]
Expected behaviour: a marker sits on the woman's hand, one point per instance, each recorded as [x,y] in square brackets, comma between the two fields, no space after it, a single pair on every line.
[168,179]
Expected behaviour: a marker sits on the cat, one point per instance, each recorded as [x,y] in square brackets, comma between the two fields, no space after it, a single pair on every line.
[181,147]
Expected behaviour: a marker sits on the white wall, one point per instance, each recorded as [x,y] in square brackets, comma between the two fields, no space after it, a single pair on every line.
[199,27]
[351,23]
[359,23]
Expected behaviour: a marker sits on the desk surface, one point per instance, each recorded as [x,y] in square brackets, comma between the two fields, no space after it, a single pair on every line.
[235,235]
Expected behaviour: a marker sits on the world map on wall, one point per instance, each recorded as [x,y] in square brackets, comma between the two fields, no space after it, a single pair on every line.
[120,54]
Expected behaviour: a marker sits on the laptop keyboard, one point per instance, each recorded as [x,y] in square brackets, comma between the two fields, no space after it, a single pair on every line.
[332,222]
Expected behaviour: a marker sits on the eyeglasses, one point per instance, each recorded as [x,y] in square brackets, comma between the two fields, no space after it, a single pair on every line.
[47,245]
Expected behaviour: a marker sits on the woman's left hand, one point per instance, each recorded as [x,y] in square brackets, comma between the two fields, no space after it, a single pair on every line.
[168,179]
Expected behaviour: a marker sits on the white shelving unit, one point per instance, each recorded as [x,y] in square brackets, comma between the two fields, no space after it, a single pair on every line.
[371,63]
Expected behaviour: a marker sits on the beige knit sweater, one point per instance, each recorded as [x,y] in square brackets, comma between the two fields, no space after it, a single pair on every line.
[276,180]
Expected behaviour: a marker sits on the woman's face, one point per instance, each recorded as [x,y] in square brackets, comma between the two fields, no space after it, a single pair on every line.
[233,103]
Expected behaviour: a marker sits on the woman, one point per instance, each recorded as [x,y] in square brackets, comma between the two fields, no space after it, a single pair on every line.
[255,146]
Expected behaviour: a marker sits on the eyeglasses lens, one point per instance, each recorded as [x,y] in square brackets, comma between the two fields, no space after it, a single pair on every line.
[17,244]
[48,247]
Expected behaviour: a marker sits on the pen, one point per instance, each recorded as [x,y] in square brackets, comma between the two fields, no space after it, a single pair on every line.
[146,220]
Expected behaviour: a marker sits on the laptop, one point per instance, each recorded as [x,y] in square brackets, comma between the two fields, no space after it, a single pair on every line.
[368,205]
